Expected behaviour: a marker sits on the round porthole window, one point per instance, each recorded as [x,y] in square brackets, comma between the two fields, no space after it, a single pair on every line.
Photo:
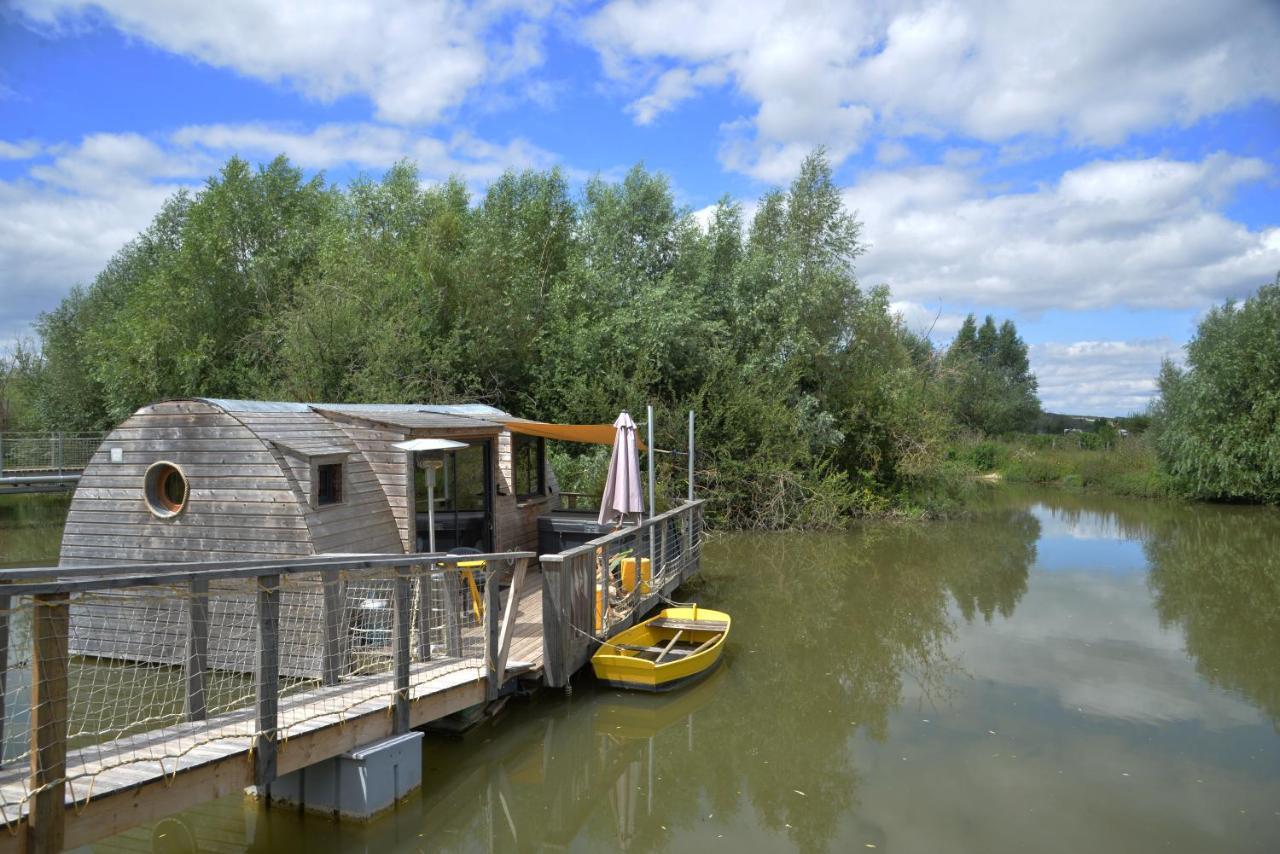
[166,489]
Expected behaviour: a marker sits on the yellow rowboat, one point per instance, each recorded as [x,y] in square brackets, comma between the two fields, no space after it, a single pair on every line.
[677,647]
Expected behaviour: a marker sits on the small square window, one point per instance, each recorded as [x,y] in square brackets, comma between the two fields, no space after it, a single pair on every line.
[328,484]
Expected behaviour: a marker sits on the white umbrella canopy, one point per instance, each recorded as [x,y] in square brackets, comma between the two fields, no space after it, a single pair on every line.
[622,488]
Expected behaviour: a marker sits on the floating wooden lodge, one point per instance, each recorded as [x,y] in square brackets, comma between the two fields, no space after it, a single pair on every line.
[208,479]
[221,480]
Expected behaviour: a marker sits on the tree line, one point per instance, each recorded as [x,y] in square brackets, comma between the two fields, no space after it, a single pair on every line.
[814,400]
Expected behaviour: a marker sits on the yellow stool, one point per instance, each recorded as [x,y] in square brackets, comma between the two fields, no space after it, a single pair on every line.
[468,568]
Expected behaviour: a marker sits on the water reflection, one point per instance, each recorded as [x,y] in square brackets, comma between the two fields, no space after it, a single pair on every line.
[31,529]
[1060,672]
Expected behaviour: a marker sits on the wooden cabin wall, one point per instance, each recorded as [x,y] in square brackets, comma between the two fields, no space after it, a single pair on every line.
[240,504]
[391,467]
[363,521]
[516,521]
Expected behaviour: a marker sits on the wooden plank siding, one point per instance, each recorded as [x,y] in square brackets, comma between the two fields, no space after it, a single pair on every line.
[249,470]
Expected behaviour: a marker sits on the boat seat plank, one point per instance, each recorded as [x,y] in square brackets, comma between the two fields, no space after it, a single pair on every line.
[689,625]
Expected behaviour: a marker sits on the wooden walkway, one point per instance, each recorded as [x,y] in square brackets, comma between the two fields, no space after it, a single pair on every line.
[115,786]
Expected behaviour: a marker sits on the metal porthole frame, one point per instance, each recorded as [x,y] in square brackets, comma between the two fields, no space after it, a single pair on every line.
[155,494]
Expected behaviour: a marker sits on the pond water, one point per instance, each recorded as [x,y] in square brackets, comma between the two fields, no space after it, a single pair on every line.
[1060,672]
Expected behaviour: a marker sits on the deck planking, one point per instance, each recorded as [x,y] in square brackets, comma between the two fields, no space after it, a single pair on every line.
[313,725]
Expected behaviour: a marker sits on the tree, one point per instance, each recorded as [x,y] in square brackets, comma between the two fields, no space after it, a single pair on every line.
[990,386]
[1217,422]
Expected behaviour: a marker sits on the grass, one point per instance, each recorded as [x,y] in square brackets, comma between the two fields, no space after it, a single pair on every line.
[1125,466]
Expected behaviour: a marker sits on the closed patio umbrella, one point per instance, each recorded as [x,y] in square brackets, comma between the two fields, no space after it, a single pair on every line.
[622,488]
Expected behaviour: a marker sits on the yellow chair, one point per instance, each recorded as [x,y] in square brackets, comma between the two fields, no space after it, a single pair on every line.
[468,568]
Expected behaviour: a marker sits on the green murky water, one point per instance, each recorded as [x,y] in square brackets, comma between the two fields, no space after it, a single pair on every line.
[31,528]
[1062,672]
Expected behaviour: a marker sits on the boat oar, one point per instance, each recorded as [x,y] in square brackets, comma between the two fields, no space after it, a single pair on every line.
[668,647]
[706,643]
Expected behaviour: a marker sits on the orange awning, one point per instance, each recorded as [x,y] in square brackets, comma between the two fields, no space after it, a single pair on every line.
[592,434]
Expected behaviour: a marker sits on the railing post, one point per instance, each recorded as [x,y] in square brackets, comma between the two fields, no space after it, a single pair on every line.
[509,617]
[452,627]
[424,613]
[492,625]
[267,678]
[51,626]
[197,649]
[400,652]
[334,637]
[5,603]
[554,615]
[660,579]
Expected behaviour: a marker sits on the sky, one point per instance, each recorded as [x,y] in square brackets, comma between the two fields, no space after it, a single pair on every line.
[1101,172]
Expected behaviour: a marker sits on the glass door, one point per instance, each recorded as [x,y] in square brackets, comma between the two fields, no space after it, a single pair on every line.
[463,497]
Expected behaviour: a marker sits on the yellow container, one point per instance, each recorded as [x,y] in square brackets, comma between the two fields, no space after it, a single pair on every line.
[629,575]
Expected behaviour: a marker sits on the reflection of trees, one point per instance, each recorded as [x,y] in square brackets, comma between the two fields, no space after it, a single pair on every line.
[1215,571]
[828,631]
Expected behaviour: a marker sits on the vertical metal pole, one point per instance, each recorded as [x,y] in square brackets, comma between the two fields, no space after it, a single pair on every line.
[691,455]
[1,455]
[649,427]
[431,507]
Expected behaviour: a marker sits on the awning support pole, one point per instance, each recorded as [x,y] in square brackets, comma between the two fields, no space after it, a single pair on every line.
[690,455]
[652,508]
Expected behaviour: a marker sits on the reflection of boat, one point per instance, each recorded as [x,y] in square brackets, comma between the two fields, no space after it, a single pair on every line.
[631,715]
[670,650]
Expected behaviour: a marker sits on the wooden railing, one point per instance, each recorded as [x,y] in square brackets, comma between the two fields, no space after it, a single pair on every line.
[591,592]
[195,605]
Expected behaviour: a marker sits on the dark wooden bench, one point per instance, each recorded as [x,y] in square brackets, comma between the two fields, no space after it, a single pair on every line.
[690,625]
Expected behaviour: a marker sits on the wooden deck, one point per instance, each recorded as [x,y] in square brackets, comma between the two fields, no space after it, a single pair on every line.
[112,787]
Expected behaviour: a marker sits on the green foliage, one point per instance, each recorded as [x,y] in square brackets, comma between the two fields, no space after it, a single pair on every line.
[987,373]
[813,401]
[1217,423]
[1122,466]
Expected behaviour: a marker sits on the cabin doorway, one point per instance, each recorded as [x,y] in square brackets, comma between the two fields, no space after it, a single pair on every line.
[463,498]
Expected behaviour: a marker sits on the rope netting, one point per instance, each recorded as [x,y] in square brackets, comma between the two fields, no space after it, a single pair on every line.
[164,677]
[634,566]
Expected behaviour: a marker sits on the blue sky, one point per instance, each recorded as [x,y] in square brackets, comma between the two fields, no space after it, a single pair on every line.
[1102,173]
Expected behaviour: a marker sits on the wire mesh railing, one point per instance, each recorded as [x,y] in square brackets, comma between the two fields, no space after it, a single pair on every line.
[592,591]
[40,452]
[141,672]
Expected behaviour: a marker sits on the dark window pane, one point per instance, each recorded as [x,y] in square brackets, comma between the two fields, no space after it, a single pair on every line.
[329,484]
[526,462]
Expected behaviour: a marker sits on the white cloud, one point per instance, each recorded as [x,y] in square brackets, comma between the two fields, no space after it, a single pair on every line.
[21,150]
[925,320]
[414,60]
[366,146]
[1093,71]
[672,87]
[1100,377]
[64,218]
[1140,233]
